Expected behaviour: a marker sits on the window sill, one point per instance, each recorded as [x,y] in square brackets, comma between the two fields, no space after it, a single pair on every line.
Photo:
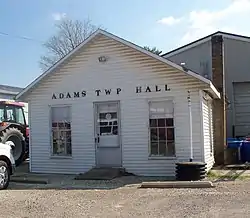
[162,158]
[60,157]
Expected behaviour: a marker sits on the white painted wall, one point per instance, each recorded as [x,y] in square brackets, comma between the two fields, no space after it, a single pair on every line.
[208,133]
[125,69]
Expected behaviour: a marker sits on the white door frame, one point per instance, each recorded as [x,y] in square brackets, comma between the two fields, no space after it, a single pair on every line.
[95,110]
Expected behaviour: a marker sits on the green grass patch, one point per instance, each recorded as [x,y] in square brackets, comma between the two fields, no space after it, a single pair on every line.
[231,175]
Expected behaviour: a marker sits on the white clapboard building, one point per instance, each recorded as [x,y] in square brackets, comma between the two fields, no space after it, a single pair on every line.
[110,103]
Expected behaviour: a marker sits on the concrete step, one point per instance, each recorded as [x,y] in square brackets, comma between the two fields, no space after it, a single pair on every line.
[178,184]
[102,173]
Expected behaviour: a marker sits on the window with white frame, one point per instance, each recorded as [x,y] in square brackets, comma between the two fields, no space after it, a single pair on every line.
[61,131]
[161,128]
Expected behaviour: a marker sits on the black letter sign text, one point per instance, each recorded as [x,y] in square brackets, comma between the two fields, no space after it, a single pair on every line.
[114,91]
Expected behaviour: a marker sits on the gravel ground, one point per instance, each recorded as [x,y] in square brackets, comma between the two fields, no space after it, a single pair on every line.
[227,199]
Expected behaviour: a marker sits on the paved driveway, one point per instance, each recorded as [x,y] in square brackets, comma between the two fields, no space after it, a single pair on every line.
[228,199]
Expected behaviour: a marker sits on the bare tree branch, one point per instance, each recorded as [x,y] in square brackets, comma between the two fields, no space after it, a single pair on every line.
[69,34]
[46,62]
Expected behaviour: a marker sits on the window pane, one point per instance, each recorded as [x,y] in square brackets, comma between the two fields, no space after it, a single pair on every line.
[2,113]
[105,130]
[102,116]
[10,112]
[58,143]
[169,122]
[154,135]
[171,149]
[68,125]
[113,115]
[69,150]
[115,130]
[154,148]
[61,131]
[170,134]
[153,122]
[108,115]
[68,136]
[162,134]
[62,143]
[20,116]
[55,145]
[161,117]
[61,125]
[103,123]
[163,109]
[162,148]
[68,141]
[161,122]
[60,114]
[157,107]
[54,135]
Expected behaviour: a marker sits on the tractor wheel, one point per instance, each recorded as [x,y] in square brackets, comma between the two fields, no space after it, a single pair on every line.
[15,135]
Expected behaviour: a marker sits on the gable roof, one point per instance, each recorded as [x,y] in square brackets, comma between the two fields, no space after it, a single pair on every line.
[10,90]
[124,42]
[205,39]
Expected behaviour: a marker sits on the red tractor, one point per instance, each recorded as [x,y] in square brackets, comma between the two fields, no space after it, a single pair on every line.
[13,127]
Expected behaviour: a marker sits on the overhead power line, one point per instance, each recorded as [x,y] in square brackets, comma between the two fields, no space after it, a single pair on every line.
[20,37]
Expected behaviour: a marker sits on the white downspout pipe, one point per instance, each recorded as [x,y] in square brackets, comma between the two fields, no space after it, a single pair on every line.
[190,127]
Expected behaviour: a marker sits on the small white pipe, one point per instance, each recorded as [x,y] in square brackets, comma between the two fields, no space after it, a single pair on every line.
[190,127]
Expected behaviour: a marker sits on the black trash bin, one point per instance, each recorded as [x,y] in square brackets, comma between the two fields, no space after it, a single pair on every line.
[190,171]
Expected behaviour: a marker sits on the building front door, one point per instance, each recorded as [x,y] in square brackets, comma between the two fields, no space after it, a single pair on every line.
[107,134]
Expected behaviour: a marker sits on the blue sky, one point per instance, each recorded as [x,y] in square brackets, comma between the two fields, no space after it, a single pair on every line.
[162,23]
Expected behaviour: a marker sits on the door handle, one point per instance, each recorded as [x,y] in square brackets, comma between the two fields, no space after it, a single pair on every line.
[97,139]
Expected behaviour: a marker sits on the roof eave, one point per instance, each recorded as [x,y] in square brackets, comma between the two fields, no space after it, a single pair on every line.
[189,45]
[213,91]
[8,92]
[23,93]
[204,40]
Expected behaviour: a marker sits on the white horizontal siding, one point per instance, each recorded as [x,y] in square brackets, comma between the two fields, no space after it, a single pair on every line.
[83,151]
[125,69]
[208,131]
[135,137]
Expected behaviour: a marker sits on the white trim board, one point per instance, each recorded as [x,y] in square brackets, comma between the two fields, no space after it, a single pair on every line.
[124,42]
